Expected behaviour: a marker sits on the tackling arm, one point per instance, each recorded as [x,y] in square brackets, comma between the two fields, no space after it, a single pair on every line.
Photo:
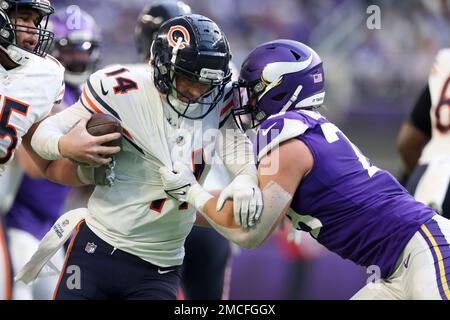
[236,152]
[283,163]
[279,173]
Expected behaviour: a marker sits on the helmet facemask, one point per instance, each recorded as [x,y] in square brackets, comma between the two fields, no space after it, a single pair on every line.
[188,59]
[247,114]
[184,105]
[10,28]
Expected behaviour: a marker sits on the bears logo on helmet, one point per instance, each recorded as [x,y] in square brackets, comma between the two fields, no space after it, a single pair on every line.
[205,59]
[174,34]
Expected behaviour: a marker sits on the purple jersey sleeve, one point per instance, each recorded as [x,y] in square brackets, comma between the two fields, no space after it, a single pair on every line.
[281,127]
[349,205]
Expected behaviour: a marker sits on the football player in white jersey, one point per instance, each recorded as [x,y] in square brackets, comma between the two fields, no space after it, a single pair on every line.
[424,140]
[38,202]
[31,81]
[201,278]
[30,84]
[130,243]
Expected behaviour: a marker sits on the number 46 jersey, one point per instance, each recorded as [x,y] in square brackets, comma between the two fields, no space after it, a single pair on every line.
[350,206]
[27,95]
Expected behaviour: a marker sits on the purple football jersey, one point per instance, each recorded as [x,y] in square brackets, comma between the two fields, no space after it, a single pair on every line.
[39,202]
[350,206]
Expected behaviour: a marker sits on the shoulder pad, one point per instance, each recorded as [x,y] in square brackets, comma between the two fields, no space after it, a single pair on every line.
[108,88]
[94,96]
[53,61]
[280,128]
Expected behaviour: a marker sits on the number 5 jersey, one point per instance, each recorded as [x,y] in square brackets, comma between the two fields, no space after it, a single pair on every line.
[27,94]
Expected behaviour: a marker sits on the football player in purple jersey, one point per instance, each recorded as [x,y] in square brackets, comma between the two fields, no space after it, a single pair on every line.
[310,172]
[39,202]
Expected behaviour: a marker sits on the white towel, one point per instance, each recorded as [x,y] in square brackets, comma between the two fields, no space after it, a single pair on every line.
[50,244]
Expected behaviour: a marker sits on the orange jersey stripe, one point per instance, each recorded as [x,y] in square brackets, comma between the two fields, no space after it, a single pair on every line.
[227,108]
[67,258]
[89,101]
[127,134]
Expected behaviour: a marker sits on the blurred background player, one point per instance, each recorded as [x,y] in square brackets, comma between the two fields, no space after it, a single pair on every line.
[424,140]
[39,202]
[31,82]
[206,267]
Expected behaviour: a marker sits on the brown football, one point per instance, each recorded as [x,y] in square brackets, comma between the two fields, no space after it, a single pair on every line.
[101,124]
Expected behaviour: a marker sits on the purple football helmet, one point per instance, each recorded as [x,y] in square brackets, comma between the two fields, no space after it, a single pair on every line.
[278,76]
[77,44]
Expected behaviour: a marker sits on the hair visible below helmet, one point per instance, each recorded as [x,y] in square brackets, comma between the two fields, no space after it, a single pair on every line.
[194,47]
[279,76]
[77,45]
[152,17]
[8,29]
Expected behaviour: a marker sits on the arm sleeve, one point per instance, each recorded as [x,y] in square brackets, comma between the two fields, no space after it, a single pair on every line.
[420,115]
[235,149]
[276,200]
[46,137]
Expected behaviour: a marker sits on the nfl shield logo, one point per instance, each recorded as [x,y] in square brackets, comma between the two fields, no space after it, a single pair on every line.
[90,247]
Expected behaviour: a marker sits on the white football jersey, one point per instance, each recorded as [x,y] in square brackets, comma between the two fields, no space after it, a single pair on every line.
[439,83]
[135,214]
[27,95]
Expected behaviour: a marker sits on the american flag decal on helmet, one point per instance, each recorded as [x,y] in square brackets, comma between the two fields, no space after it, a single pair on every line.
[318,78]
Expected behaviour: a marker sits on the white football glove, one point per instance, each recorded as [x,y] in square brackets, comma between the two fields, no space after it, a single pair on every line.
[182,185]
[247,200]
